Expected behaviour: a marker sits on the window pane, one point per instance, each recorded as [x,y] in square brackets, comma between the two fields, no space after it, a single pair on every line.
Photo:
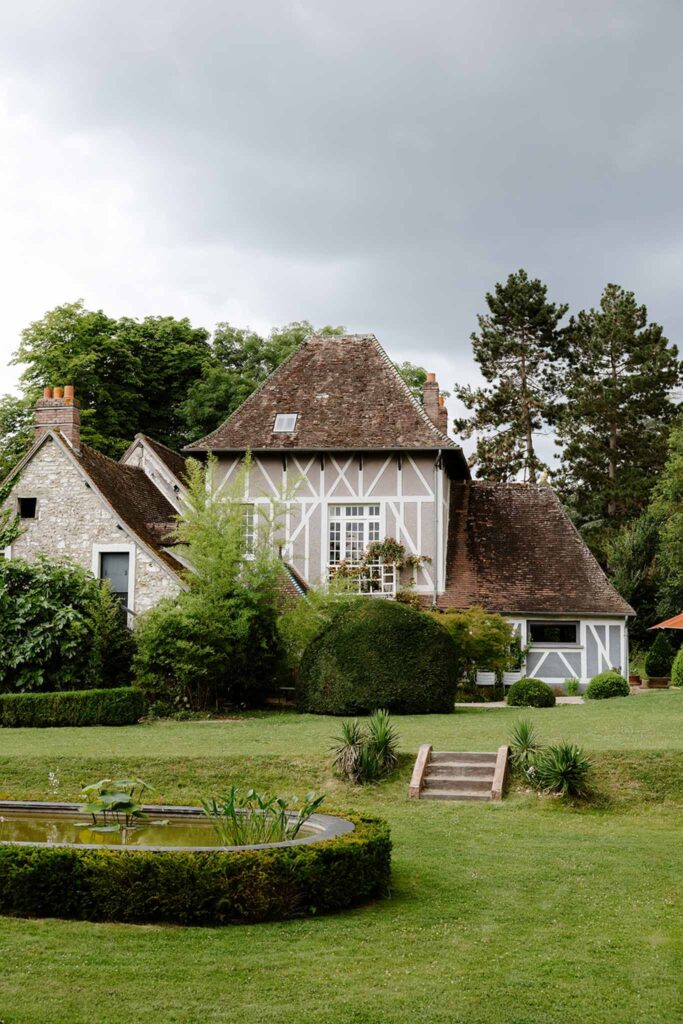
[554,632]
[114,566]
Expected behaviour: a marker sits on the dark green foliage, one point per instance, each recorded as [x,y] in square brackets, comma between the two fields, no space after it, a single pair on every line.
[216,643]
[667,510]
[531,693]
[563,769]
[16,431]
[379,653]
[483,640]
[121,705]
[197,888]
[607,684]
[129,375]
[620,377]
[60,629]
[677,669]
[517,349]
[660,657]
[630,555]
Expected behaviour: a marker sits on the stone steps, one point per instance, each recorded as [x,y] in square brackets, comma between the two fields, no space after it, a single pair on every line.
[453,775]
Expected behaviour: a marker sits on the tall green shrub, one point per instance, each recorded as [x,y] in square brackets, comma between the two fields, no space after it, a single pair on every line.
[60,629]
[677,669]
[216,643]
[483,640]
[379,653]
[659,658]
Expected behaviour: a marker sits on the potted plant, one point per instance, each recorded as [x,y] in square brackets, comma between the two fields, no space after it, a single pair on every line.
[485,678]
[658,663]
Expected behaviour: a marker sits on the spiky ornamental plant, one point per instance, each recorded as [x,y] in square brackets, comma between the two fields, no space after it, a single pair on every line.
[563,769]
[524,744]
[517,349]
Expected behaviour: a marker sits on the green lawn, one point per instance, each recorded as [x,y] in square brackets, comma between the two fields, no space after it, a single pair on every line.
[526,912]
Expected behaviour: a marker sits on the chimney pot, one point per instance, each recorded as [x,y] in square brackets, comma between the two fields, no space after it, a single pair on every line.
[58,410]
[431,378]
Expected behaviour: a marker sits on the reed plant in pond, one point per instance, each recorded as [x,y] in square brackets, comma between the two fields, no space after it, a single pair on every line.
[250,818]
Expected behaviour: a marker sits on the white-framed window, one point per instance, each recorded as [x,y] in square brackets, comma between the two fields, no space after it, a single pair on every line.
[116,563]
[554,633]
[285,422]
[351,529]
[249,527]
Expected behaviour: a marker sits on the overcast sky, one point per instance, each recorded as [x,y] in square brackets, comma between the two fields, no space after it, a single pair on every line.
[379,164]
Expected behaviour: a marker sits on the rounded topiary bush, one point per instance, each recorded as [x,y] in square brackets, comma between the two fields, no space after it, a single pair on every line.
[677,669]
[379,654]
[607,684]
[659,658]
[531,693]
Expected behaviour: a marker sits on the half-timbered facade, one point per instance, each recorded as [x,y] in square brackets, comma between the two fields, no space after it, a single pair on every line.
[336,429]
[337,432]
[352,457]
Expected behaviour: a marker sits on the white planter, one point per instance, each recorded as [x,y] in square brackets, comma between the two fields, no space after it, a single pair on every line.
[511,677]
[486,678]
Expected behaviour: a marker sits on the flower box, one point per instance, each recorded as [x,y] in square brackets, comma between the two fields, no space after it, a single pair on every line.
[486,678]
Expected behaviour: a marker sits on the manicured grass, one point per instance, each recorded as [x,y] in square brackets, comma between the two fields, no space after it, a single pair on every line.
[526,912]
[651,721]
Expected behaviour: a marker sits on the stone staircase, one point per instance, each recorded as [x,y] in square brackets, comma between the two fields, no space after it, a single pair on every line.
[469,775]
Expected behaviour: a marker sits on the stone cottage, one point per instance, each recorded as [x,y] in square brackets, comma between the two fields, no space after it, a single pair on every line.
[362,460]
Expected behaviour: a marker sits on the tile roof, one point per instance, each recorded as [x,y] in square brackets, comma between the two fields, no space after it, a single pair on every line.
[512,548]
[346,393]
[135,499]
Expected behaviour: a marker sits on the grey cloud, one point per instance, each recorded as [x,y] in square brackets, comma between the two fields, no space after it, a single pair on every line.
[415,151]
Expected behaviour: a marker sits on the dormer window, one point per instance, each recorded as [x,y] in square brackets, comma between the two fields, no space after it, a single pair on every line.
[285,422]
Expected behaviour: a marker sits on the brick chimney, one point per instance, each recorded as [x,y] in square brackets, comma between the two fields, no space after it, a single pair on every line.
[434,405]
[59,410]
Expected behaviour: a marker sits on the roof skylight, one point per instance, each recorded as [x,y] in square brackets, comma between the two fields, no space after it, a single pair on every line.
[285,422]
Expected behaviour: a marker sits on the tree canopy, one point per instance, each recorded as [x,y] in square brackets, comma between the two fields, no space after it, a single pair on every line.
[517,349]
[613,424]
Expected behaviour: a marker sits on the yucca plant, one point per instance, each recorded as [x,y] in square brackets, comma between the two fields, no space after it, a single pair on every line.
[563,769]
[366,755]
[383,741]
[524,744]
[348,749]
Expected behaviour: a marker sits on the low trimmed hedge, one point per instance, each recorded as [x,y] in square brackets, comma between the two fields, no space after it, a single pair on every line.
[607,684]
[197,888]
[530,693]
[122,705]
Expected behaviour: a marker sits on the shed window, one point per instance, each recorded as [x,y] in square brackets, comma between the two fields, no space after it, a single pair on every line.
[27,508]
[560,634]
[285,422]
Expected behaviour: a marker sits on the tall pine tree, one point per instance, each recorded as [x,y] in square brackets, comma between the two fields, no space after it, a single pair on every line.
[517,348]
[613,427]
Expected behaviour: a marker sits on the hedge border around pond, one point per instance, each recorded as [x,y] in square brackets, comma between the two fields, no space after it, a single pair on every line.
[121,705]
[197,887]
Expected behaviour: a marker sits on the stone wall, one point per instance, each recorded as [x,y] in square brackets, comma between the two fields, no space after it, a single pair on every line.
[71,518]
